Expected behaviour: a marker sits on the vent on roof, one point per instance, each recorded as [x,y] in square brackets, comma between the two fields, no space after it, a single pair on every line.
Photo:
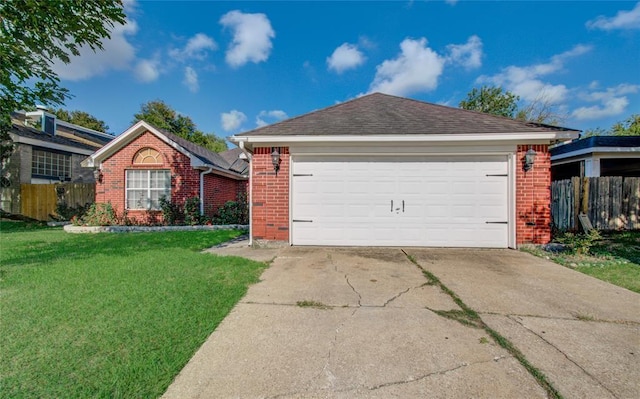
[41,120]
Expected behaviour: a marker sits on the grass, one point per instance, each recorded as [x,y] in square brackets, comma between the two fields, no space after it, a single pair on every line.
[312,304]
[615,258]
[108,315]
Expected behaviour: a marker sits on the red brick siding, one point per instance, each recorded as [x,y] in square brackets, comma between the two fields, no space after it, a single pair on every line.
[218,190]
[533,197]
[270,202]
[185,184]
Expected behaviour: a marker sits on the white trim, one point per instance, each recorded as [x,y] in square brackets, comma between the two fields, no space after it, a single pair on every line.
[48,144]
[512,198]
[601,150]
[250,199]
[291,162]
[406,138]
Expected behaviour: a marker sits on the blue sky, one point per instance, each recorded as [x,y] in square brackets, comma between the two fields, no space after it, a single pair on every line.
[232,66]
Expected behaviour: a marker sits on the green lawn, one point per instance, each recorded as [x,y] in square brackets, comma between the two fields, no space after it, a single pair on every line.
[108,315]
[614,258]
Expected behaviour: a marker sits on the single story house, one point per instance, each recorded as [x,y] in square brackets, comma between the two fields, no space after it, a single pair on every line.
[596,156]
[145,163]
[45,151]
[382,170]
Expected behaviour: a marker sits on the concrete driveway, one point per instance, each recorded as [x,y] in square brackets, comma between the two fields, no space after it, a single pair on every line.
[345,322]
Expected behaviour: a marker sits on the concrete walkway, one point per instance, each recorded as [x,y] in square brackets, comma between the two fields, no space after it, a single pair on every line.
[344,323]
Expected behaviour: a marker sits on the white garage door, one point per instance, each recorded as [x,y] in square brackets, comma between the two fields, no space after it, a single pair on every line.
[452,202]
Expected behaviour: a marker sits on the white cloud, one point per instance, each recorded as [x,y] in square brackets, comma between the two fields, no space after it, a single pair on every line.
[117,54]
[252,34]
[417,68]
[526,81]
[232,120]
[346,56]
[267,117]
[196,48]
[147,70]
[469,55]
[622,20]
[191,79]
[612,101]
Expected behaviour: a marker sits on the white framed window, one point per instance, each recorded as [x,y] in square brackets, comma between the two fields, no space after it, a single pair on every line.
[145,187]
[50,164]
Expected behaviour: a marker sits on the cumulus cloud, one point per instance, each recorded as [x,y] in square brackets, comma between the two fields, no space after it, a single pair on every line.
[252,35]
[196,48]
[622,20]
[267,117]
[469,55]
[610,102]
[526,81]
[232,120]
[117,54]
[417,68]
[148,70]
[347,56]
[191,79]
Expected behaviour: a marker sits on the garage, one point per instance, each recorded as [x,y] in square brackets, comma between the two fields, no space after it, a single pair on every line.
[382,170]
[400,201]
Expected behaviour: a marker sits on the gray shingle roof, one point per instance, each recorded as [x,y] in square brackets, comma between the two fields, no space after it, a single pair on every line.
[383,114]
[596,141]
[29,132]
[202,153]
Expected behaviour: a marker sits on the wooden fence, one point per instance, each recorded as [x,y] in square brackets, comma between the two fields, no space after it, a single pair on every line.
[611,203]
[38,201]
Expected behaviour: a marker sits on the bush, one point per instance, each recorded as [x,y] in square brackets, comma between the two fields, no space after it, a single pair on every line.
[65,212]
[170,212]
[580,243]
[233,212]
[99,214]
[192,214]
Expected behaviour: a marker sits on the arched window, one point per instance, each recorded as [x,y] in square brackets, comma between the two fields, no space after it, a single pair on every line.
[147,156]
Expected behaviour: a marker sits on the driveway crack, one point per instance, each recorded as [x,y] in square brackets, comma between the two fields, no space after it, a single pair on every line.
[563,354]
[397,296]
[346,277]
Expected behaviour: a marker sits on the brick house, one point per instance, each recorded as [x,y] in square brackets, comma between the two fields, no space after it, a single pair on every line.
[382,170]
[145,163]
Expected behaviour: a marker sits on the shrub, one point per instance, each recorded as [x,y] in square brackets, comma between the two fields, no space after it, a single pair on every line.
[580,243]
[192,214]
[171,212]
[99,214]
[233,212]
[65,212]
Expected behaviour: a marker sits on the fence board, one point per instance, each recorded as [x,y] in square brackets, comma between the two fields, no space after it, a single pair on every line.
[611,203]
[38,201]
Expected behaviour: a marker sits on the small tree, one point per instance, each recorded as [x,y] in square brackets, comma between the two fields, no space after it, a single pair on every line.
[491,100]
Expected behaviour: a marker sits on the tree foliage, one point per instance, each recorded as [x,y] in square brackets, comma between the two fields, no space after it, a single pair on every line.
[627,127]
[80,118]
[491,100]
[161,115]
[36,33]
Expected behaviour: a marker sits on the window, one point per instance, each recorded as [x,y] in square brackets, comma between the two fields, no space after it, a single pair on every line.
[147,156]
[50,165]
[145,188]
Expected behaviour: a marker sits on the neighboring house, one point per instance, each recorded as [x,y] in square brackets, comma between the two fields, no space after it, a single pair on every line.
[596,156]
[382,170]
[45,151]
[145,163]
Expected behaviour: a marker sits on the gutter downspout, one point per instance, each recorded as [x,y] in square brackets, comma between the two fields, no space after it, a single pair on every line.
[204,172]
[249,200]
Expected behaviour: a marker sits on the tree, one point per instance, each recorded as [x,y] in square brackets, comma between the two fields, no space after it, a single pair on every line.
[541,110]
[491,100]
[80,118]
[35,33]
[628,127]
[161,115]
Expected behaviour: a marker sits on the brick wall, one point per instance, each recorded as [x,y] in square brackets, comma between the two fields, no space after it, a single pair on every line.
[533,197]
[185,184]
[218,190]
[270,202]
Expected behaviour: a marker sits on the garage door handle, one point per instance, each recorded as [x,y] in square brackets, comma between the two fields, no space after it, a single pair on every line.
[402,206]
[503,175]
[391,205]
[302,221]
[497,222]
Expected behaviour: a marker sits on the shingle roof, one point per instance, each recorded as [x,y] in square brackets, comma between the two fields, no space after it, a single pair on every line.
[383,114]
[29,132]
[205,155]
[596,141]
[232,156]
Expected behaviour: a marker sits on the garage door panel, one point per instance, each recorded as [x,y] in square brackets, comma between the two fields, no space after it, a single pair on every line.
[360,202]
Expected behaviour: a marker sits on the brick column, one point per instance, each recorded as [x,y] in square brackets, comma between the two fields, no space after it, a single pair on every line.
[533,197]
[270,202]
